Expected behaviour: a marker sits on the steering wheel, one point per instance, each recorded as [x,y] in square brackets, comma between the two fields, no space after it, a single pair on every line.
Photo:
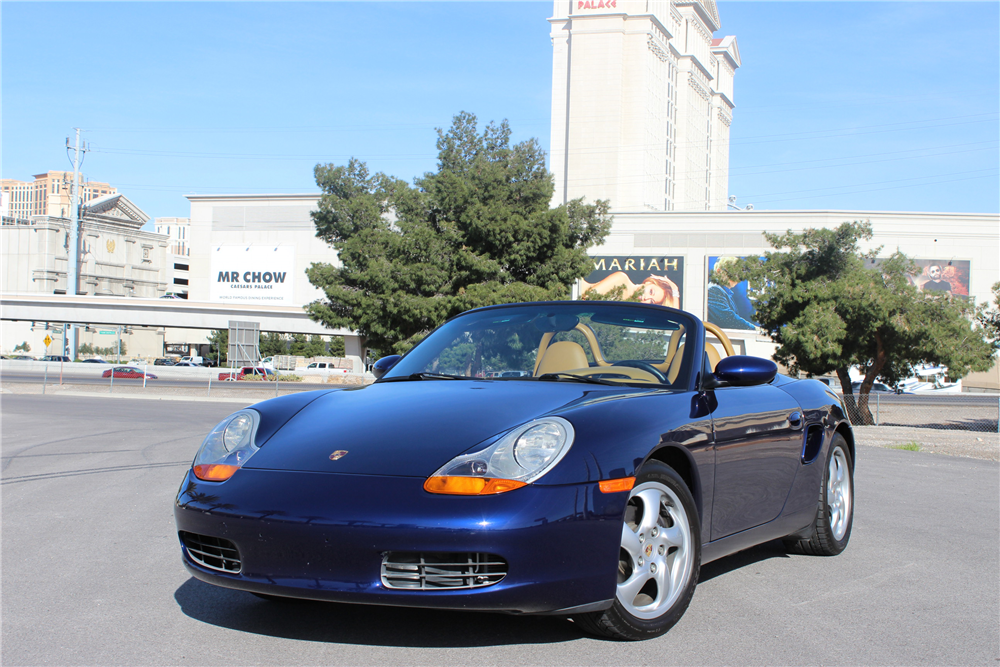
[642,365]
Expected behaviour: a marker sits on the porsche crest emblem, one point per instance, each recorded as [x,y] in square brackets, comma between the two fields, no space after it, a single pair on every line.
[111,245]
[339,454]
[649,550]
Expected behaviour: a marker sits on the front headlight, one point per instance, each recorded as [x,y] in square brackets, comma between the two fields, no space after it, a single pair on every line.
[515,460]
[227,447]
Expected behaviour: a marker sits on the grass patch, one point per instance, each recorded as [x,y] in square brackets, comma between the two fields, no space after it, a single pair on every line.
[908,446]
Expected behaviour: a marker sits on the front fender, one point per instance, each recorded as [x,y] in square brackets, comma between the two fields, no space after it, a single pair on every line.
[615,437]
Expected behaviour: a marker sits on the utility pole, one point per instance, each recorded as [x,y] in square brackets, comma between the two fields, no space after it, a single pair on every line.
[73,268]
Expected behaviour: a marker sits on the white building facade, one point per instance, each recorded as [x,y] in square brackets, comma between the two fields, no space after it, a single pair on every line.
[117,259]
[255,250]
[642,102]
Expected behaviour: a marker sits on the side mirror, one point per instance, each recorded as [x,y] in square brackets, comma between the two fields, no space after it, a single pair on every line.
[383,365]
[744,371]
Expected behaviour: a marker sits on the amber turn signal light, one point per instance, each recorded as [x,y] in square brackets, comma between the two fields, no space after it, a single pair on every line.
[214,472]
[616,485]
[470,486]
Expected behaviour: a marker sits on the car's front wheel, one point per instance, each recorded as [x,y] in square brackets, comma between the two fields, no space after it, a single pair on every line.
[659,559]
[831,529]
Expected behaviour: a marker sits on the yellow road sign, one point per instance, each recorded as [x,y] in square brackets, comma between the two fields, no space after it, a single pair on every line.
[48,340]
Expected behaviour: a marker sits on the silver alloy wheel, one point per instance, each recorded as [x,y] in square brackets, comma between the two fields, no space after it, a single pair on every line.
[656,553]
[838,494]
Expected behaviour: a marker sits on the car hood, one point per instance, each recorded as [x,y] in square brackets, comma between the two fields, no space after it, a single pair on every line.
[412,428]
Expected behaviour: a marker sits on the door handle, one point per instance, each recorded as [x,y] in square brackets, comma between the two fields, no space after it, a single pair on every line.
[795,420]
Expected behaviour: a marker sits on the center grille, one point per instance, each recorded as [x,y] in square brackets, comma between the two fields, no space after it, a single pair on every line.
[441,570]
[214,553]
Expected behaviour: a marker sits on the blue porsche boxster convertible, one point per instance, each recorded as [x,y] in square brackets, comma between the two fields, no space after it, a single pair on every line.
[577,458]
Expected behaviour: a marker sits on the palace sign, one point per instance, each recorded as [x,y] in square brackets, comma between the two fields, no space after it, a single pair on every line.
[252,274]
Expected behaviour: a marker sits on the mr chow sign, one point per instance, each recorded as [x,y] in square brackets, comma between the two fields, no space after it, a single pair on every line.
[253,274]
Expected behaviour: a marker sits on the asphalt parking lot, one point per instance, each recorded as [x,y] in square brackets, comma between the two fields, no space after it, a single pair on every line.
[92,572]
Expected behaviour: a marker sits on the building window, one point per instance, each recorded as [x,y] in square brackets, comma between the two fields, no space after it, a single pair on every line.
[180,281]
[180,267]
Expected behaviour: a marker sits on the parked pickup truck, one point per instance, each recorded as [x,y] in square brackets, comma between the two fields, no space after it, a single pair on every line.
[246,372]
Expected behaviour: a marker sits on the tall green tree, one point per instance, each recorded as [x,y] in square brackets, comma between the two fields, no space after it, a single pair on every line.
[272,344]
[827,312]
[218,346]
[988,317]
[476,232]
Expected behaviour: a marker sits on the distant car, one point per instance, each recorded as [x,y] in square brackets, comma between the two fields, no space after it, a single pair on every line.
[95,361]
[187,363]
[171,295]
[55,357]
[126,373]
[21,357]
[322,368]
[165,361]
[878,388]
[247,371]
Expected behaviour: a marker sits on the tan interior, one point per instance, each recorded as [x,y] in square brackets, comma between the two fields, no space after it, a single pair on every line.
[672,345]
[562,357]
[713,355]
[675,364]
[570,357]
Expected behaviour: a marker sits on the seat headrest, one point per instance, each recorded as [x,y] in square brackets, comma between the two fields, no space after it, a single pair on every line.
[561,357]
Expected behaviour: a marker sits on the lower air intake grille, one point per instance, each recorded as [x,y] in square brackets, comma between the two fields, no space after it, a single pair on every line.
[212,552]
[441,570]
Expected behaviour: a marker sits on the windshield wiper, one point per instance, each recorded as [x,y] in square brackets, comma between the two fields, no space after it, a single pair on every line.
[578,378]
[427,376]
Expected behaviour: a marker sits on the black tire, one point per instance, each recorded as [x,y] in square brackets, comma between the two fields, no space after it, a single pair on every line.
[831,530]
[668,543]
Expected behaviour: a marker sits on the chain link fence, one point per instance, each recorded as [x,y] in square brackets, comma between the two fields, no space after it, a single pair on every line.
[957,412]
[196,383]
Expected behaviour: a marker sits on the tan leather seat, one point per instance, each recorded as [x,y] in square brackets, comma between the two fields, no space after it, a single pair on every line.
[561,357]
[675,339]
[713,355]
[675,364]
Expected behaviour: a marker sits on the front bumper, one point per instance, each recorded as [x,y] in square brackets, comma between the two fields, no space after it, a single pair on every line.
[322,536]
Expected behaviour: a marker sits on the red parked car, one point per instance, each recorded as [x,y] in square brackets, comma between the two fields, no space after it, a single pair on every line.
[127,373]
[248,371]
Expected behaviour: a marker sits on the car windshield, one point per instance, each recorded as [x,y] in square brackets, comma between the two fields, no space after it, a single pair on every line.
[582,341]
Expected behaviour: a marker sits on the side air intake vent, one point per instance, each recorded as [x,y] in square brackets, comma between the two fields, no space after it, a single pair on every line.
[813,443]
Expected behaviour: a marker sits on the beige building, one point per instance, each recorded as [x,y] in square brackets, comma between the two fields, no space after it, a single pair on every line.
[686,246]
[642,101]
[117,258]
[49,194]
[179,231]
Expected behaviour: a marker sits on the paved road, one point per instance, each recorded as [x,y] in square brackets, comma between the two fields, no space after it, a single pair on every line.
[95,380]
[92,572]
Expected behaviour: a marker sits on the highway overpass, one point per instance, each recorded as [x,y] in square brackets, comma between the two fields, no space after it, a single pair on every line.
[169,313]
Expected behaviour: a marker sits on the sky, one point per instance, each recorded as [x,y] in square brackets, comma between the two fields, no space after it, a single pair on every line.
[891,106]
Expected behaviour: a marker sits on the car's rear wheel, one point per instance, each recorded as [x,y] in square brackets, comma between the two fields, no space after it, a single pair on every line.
[831,530]
[659,558]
